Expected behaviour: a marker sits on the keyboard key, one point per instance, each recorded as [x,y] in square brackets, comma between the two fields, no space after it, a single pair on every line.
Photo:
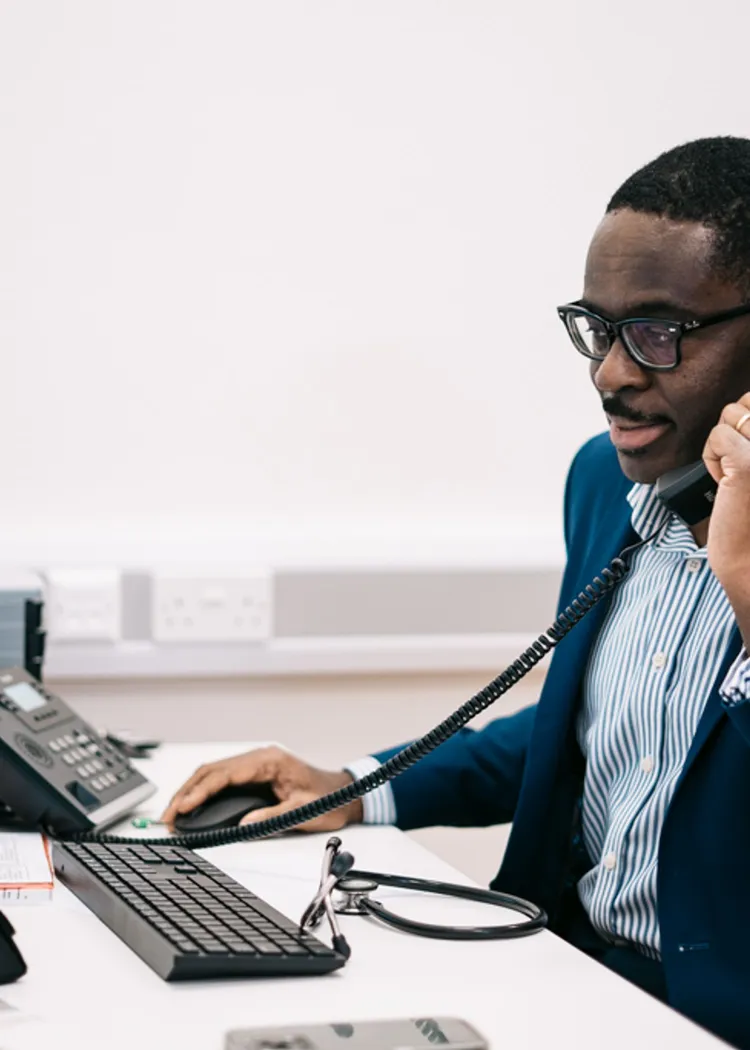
[187,947]
[267,948]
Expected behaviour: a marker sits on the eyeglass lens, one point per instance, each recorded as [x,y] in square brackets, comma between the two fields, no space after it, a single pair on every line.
[653,342]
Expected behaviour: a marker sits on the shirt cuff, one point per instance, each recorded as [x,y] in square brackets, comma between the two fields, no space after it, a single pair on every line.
[736,687]
[378,806]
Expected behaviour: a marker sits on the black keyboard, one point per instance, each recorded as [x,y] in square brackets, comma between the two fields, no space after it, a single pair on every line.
[184,917]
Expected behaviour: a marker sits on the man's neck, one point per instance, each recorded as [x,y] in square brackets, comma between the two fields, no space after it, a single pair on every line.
[700,532]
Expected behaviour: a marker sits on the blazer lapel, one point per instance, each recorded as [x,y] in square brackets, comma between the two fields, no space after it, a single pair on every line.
[572,653]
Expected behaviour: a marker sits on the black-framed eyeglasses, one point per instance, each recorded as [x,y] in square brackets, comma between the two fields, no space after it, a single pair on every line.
[653,342]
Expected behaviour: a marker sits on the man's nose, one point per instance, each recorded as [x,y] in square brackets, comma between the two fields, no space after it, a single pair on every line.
[617,371]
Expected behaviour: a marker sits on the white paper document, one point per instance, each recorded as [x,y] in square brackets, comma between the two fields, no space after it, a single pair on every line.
[26,872]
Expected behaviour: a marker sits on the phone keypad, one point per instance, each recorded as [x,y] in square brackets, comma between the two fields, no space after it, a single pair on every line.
[96,759]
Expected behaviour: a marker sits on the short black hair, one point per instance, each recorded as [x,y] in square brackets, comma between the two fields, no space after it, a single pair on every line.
[705,181]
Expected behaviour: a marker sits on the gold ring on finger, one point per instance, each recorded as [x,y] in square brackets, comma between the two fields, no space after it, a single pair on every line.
[741,422]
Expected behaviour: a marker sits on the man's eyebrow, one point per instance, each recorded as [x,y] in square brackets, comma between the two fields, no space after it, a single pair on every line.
[667,308]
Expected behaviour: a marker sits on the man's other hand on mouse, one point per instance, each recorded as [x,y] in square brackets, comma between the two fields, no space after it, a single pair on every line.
[293,781]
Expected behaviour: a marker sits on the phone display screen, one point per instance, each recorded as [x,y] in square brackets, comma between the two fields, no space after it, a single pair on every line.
[25,696]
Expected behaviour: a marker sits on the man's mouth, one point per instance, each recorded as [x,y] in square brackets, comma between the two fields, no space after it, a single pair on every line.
[631,437]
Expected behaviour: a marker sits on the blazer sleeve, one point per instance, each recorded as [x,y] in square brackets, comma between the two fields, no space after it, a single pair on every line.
[472,780]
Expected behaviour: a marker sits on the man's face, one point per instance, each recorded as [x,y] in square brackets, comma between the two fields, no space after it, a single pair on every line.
[640,265]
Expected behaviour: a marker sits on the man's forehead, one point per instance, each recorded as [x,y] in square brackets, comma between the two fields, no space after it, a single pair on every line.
[636,259]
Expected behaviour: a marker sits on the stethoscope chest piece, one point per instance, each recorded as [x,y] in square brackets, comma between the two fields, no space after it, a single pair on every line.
[352,895]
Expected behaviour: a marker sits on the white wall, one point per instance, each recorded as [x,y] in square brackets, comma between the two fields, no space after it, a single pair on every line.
[278,277]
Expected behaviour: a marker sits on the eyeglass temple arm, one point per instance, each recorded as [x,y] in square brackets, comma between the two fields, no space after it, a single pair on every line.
[725,315]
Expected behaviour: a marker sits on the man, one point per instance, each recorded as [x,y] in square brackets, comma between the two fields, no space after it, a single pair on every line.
[628,784]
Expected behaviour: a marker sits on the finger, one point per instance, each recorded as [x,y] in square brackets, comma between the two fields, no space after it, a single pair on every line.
[732,415]
[712,456]
[283,807]
[330,821]
[274,811]
[726,452]
[211,784]
[186,788]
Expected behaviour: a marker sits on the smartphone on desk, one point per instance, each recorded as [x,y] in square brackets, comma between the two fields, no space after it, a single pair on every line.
[406,1034]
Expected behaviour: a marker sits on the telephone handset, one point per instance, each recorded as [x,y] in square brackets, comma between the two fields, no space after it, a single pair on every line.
[688,491]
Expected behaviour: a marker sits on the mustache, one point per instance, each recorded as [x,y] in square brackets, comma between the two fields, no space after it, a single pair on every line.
[615,406]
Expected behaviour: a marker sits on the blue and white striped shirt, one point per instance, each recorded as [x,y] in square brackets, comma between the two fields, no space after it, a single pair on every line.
[646,684]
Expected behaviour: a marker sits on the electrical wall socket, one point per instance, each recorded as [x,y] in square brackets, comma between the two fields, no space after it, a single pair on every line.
[203,607]
[83,605]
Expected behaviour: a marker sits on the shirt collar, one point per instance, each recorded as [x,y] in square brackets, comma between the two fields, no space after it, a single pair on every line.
[648,511]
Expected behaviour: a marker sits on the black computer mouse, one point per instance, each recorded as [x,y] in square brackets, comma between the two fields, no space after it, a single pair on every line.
[227,808]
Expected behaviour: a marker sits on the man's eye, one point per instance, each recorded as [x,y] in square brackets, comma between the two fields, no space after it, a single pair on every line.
[597,336]
[658,334]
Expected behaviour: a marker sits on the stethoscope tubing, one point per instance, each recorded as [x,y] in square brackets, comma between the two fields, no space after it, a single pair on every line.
[536,917]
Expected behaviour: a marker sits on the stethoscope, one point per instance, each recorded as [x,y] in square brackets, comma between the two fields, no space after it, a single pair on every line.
[353,891]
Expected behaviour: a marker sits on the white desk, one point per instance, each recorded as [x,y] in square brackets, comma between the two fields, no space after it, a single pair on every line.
[535,992]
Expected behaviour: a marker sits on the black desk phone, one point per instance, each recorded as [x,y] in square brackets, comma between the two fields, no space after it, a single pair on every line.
[56,772]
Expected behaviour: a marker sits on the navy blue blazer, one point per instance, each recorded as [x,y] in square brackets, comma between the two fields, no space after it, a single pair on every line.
[527,768]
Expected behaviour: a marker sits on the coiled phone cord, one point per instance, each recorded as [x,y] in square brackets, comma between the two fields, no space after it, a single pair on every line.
[599,587]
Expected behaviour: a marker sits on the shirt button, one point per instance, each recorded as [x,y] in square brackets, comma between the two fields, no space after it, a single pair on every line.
[647,763]
[609,861]
[693,564]
[658,660]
